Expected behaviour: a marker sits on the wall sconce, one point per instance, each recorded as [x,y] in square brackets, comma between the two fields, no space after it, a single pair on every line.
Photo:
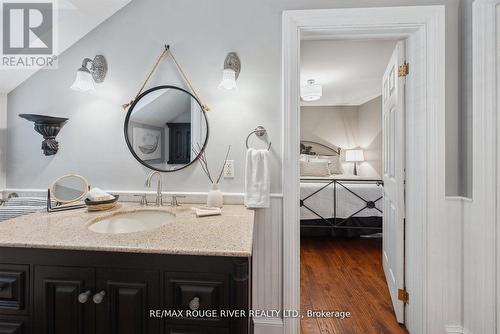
[232,68]
[90,72]
[311,91]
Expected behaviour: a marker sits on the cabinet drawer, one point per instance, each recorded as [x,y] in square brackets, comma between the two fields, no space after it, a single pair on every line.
[14,284]
[13,325]
[197,291]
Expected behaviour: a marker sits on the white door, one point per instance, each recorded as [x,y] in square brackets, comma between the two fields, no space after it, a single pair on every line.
[394,169]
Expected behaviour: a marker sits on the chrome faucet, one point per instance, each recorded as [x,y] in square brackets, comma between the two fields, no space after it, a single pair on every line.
[159,197]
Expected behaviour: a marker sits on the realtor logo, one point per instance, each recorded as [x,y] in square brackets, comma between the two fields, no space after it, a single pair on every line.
[28,34]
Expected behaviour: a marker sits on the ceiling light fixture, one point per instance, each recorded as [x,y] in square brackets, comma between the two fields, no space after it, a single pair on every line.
[311,91]
[92,71]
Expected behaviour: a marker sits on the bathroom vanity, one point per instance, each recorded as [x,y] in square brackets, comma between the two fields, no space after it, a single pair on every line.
[59,276]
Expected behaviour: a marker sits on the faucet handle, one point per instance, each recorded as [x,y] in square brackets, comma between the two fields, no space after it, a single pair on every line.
[144,199]
[174,201]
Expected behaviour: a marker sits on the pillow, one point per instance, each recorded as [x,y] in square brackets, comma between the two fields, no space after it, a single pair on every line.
[334,164]
[304,157]
[314,168]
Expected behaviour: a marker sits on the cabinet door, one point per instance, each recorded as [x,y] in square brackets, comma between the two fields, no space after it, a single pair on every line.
[14,289]
[196,292]
[14,325]
[57,307]
[128,297]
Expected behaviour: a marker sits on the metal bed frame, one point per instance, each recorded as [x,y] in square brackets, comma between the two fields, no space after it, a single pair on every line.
[309,148]
[336,222]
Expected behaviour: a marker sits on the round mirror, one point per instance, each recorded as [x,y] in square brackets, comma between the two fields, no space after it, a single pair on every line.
[165,127]
[69,188]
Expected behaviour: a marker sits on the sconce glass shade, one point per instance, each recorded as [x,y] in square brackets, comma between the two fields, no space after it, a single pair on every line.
[354,155]
[84,81]
[311,91]
[228,79]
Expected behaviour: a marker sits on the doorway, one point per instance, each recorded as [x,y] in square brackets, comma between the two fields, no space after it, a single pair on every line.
[423,29]
[352,182]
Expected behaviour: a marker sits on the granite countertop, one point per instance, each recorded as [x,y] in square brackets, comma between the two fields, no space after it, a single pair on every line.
[229,234]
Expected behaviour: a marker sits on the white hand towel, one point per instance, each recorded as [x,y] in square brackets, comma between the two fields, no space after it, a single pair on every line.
[96,194]
[205,212]
[257,179]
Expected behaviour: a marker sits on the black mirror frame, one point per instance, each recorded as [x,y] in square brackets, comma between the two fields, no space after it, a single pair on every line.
[129,113]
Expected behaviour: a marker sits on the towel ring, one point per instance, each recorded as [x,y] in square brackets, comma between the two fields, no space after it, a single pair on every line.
[259,132]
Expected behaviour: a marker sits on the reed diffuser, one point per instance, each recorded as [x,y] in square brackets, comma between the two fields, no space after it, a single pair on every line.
[214,198]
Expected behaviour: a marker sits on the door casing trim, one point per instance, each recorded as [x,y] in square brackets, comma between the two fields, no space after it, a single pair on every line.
[426,253]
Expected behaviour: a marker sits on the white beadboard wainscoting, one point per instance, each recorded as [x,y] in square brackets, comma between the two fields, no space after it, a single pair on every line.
[267,280]
[267,259]
[481,247]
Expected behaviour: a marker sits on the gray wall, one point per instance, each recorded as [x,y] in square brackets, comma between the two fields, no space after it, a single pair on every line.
[201,33]
[370,136]
[347,127]
[330,125]
[465,149]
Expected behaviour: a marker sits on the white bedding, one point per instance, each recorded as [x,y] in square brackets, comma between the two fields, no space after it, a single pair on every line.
[347,203]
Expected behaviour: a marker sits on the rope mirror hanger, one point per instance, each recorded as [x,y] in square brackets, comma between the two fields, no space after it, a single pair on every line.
[165,53]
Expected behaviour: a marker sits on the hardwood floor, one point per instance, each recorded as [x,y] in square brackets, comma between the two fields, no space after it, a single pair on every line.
[345,275]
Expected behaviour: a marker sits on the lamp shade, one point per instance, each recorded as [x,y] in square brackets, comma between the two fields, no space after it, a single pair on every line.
[354,155]
[84,81]
[311,91]
[228,79]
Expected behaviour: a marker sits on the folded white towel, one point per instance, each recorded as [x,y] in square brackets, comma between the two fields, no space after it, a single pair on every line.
[257,179]
[96,194]
[203,212]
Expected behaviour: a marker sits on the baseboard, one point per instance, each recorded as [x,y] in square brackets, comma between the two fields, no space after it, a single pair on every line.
[455,329]
[267,326]
[458,198]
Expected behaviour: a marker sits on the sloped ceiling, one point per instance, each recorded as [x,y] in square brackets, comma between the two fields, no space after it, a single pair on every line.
[350,71]
[75,18]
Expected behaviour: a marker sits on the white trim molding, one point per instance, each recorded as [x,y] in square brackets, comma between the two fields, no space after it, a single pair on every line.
[267,326]
[130,195]
[427,255]
[481,231]
[454,329]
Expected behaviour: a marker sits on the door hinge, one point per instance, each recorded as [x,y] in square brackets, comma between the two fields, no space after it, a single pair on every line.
[404,70]
[403,295]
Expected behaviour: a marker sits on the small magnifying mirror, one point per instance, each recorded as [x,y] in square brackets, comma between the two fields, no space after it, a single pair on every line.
[67,191]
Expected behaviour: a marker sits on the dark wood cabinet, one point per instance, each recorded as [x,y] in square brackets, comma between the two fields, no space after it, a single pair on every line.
[14,289]
[179,139]
[83,292]
[14,325]
[129,295]
[58,309]
[207,291]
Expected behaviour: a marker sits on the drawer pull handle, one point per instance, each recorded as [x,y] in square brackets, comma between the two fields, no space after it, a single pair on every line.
[99,297]
[194,304]
[84,297]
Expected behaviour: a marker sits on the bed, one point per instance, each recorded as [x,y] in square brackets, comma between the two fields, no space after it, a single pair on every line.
[339,204]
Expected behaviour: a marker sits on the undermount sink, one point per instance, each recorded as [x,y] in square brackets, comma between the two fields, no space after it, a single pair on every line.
[129,222]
